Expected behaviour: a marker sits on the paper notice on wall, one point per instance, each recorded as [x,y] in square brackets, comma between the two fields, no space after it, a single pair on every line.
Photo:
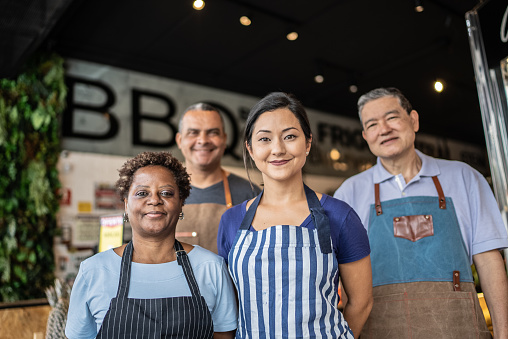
[85,231]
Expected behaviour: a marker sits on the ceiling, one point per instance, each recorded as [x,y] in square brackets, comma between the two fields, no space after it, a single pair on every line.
[366,43]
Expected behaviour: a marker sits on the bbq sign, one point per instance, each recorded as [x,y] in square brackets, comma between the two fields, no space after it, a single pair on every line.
[121,112]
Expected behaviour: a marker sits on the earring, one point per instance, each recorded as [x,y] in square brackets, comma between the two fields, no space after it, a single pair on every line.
[306,153]
[125,217]
[181,216]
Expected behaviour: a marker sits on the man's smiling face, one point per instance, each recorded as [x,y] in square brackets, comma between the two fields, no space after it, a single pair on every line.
[388,129]
[202,139]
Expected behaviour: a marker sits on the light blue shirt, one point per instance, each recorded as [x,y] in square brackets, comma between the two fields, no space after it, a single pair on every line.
[97,283]
[480,221]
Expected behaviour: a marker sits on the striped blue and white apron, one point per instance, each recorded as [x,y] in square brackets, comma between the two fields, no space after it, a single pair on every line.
[287,279]
[178,317]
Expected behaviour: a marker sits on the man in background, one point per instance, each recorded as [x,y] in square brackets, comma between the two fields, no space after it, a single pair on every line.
[428,220]
[202,139]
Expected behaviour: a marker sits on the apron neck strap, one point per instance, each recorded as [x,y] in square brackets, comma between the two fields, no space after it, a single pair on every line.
[181,257]
[317,212]
[320,219]
[439,189]
[379,210]
[442,200]
[125,272]
[249,215]
[183,260]
[227,191]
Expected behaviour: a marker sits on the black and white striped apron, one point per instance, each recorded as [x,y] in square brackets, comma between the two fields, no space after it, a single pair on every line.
[287,279]
[177,317]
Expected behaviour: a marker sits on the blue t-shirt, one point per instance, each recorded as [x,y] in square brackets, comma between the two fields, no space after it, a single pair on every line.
[349,238]
[97,283]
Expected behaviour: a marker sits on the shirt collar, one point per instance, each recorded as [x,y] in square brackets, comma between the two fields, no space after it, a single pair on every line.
[429,169]
[429,165]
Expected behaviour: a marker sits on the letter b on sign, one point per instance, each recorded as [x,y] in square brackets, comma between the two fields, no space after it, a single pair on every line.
[91,116]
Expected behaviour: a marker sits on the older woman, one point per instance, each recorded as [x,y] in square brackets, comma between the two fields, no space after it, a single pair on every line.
[154,286]
[287,248]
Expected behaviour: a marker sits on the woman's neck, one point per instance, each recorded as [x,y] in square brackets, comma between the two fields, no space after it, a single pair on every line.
[151,251]
[283,192]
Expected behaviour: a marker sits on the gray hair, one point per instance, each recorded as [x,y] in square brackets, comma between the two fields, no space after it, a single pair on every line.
[381,93]
[200,106]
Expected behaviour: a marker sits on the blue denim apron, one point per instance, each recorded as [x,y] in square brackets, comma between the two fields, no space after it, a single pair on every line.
[287,279]
[423,284]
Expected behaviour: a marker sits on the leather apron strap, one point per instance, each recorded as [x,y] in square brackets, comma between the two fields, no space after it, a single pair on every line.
[227,191]
[442,200]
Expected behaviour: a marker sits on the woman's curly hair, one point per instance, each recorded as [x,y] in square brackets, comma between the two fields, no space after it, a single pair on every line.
[164,159]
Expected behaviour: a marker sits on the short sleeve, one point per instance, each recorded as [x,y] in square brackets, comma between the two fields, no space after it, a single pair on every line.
[488,231]
[228,227]
[353,240]
[225,312]
[80,322]
[349,237]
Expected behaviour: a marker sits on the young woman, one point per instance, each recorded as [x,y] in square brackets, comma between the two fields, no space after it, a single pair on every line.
[287,248]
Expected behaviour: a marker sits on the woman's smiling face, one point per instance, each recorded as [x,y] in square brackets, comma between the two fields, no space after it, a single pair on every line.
[278,145]
[153,203]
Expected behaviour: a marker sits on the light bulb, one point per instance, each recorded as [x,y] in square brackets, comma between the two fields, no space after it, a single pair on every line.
[245,20]
[438,86]
[198,5]
[292,36]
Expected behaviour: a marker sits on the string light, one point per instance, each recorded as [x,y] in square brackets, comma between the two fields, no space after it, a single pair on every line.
[292,36]
[419,6]
[438,86]
[198,5]
[335,154]
[245,20]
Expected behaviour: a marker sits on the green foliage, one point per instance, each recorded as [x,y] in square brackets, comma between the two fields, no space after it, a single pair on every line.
[30,107]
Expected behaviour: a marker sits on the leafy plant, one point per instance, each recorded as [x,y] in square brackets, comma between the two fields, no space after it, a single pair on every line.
[29,147]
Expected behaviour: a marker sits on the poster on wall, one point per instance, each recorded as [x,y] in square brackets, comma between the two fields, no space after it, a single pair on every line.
[85,231]
[111,232]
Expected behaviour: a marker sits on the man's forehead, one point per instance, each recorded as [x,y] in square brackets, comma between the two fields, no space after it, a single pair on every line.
[382,105]
[198,119]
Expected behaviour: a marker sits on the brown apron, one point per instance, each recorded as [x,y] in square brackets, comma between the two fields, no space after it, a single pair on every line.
[423,285]
[201,221]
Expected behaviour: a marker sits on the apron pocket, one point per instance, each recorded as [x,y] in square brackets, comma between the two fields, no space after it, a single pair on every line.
[413,227]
